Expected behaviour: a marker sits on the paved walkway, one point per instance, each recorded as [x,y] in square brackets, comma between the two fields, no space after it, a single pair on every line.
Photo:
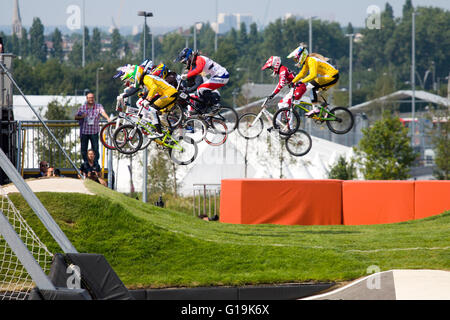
[394,285]
[52,185]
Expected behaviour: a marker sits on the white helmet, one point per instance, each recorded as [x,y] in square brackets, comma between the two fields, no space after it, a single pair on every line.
[274,63]
[299,54]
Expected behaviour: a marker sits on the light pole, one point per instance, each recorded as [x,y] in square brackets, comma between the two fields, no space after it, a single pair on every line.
[413,77]
[350,72]
[96,82]
[195,35]
[217,30]
[310,33]
[145,153]
[83,62]
[145,14]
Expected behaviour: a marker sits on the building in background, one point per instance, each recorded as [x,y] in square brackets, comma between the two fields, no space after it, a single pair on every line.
[16,21]
[226,22]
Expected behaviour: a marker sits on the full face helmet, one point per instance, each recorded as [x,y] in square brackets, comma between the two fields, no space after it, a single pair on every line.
[299,55]
[160,70]
[273,63]
[184,55]
[147,66]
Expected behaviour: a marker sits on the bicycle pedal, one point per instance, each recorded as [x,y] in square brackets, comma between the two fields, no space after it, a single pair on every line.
[269,129]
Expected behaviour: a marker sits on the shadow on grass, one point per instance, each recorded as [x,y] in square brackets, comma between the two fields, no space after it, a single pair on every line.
[290,233]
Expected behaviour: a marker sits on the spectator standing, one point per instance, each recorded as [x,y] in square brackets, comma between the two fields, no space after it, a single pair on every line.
[88,116]
[1,45]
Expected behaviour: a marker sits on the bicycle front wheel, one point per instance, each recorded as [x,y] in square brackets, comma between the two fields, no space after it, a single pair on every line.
[250,126]
[340,120]
[175,116]
[286,120]
[195,128]
[128,139]
[299,143]
[229,116]
[106,135]
[184,151]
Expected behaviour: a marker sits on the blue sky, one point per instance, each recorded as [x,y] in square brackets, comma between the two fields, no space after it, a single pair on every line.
[173,13]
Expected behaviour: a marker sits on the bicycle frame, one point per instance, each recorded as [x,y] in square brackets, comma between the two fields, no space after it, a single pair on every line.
[324,114]
[264,111]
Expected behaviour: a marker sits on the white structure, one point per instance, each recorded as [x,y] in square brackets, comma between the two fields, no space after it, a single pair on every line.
[23,112]
[260,158]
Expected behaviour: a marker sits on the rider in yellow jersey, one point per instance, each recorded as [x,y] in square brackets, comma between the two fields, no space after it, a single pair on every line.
[314,70]
[159,94]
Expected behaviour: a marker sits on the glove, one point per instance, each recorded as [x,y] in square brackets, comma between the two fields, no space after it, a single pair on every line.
[146,104]
[120,98]
[184,76]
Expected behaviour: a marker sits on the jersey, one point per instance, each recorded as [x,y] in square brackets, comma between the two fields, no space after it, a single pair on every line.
[285,77]
[206,65]
[156,85]
[315,68]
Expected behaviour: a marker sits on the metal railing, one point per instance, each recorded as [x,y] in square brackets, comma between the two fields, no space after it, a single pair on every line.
[206,200]
[34,145]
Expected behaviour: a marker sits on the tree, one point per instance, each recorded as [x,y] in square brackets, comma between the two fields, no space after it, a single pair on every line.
[75,56]
[116,44]
[24,43]
[441,142]
[47,148]
[37,43]
[57,51]
[94,47]
[384,151]
[343,170]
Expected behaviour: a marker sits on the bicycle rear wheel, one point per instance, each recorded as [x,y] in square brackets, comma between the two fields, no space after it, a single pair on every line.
[299,143]
[340,120]
[249,127]
[184,152]
[286,120]
[128,139]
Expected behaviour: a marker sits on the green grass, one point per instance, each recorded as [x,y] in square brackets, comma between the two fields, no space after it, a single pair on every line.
[153,247]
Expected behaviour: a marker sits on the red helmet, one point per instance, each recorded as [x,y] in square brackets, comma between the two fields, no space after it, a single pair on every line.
[273,63]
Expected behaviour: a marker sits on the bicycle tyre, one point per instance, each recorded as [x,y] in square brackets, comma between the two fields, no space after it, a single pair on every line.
[199,128]
[216,134]
[106,135]
[175,116]
[344,120]
[122,140]
[245,127]
[285,116]
[189,146]
[299,143]
[229,116]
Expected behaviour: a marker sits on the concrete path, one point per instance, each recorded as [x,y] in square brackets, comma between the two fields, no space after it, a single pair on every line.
[52,185]
[394,285]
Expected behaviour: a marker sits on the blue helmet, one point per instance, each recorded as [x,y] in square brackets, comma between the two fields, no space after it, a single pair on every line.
[184,55]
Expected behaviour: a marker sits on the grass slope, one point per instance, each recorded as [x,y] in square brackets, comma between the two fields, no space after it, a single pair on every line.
[153,247]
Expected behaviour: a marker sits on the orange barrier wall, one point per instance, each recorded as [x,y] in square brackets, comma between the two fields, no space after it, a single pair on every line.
[286,202]
[431,198]
[377,202]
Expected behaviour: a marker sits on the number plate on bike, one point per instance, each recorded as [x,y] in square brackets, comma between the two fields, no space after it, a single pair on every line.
[183,95]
